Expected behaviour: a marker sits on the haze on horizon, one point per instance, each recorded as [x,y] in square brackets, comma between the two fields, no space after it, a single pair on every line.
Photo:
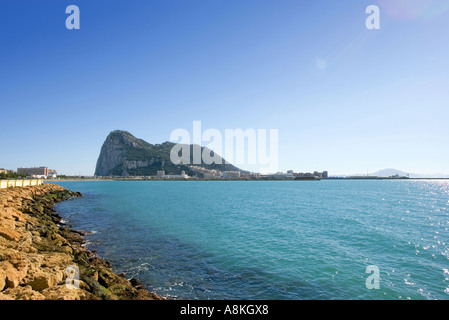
[344,98]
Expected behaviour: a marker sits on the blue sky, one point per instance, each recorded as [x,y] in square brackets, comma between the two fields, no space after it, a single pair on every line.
[343,98]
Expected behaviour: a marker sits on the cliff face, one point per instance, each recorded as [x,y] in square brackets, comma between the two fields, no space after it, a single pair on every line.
[35,252]
[111,156]
[122,154]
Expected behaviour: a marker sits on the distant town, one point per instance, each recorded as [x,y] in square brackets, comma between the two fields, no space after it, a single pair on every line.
[237,175]
[200,174]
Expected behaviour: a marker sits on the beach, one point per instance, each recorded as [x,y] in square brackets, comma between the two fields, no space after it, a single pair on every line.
[43,259]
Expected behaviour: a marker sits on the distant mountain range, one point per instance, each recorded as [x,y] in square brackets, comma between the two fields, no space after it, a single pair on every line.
[392,172]
[122,154]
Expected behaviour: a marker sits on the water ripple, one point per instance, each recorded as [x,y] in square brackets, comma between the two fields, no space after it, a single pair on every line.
[271,240]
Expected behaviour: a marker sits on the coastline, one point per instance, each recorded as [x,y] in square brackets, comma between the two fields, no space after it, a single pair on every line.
[37,253]
[297,179]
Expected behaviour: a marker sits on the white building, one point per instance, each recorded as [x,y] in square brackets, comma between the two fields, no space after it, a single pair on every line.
[231,175]
[284,176]
[161,174]
[51,174]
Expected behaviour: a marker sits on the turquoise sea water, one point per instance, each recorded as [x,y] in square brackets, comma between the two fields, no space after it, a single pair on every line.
[270,239]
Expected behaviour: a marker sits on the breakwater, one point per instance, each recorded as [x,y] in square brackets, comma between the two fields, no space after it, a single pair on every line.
[42,259]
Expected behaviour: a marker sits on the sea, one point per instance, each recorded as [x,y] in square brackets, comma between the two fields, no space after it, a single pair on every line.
[271,240]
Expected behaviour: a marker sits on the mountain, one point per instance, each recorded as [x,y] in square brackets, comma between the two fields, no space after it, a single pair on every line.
[392,172]
[385,173]
[122,154]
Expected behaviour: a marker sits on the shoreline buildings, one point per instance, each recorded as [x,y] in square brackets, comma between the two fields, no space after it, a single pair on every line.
[161,175]
[38,172]
[290,175]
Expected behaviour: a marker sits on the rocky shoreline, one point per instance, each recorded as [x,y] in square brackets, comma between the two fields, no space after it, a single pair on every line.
[40,259]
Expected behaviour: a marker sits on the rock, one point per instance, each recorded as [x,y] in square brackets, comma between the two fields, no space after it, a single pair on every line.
[40,282]
[2,279]
[35,252]
[5,297]
[105,279]
[136,283]
[12,214]
[8,254]
[23,293]
[122,154]
[9,234]
[12,280]
[62,292]
[56,259]
[13,277]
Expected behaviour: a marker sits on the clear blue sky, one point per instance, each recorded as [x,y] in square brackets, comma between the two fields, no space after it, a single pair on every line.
[344,99]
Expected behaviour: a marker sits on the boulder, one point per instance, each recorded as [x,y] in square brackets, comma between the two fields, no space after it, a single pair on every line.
[13,276]
[40,282]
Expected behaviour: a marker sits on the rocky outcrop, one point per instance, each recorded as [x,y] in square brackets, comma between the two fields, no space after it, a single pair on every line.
[122,154]
[112,155]
[38,254]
